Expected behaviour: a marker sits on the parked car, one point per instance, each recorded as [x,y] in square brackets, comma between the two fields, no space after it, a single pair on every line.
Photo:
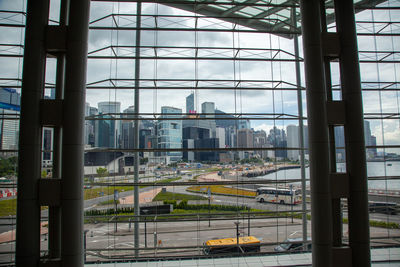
[294,244]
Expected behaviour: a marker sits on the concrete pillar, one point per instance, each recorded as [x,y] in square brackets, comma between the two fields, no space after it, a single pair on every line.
[301,128]
[354,134]
[337,222]
[55,212]
[136,135]
[321,206]
[29,159]
[73,132]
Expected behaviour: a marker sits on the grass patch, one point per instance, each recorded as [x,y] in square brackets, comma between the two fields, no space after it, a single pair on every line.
[220,189]
[166,180]
[8,207]
[109,190]
[176,196]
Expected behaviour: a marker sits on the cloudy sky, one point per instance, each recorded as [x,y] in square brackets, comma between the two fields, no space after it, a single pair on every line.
[233,101]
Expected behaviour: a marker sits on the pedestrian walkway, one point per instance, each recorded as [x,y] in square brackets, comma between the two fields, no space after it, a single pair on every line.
[144,197]
[10,235]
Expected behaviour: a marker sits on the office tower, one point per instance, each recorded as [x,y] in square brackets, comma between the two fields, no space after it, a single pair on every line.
[277,138]
[293,141]
[169,133]
[89,126]
[230,136]
[107,132]
[368,139]
[245,138]
[209,109]
[127,128]
[260,141]
[220,135]
[190,104]
[9,108]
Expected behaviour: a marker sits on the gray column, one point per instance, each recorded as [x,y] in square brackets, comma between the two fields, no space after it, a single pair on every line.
[301,129]
[337,220]
[318,134]
[73,143]
[136,135]
[354,135]
[29,159]
[55,212]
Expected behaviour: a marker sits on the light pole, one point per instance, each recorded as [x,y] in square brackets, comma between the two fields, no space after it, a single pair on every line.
[248,222]
[237,234]
[291,200]
[84,244]
[116,207]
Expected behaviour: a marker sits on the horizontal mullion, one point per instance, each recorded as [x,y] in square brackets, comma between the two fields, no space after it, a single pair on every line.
[378,178]
[189,29]
[193,58]
[194,88]
[192,149]
[177,183]
[212,2]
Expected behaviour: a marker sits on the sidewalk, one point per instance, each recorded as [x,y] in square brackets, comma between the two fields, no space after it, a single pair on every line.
[143,198]
[10,235]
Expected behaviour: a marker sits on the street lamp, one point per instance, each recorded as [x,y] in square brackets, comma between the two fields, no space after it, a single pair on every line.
[291,200]
[116,196]
[237,234]
[248,222]
[84,243]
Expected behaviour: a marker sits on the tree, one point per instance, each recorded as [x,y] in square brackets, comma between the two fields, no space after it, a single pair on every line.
[8,166]
[102,172]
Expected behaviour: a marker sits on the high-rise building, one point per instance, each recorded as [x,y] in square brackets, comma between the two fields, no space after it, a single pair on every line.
[107,132]
[89,126]
[190,104]
[245,138]
[169,133]
[220,135]
[293,140]
[208,108]
[244,124]
[260,141]
[127,128]
[277,138]
[9,108]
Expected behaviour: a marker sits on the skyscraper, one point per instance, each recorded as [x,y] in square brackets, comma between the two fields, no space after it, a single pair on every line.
[107,131]
[9,128]
[208,108]
[169,133]
[190,103]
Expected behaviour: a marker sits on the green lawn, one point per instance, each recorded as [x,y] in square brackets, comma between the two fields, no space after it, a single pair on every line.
[176,196]
[109,190]
[8,207]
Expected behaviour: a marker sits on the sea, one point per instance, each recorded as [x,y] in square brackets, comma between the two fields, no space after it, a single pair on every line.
[374,169]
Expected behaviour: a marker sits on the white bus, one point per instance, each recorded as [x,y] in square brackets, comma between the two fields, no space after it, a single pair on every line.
[278,195]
